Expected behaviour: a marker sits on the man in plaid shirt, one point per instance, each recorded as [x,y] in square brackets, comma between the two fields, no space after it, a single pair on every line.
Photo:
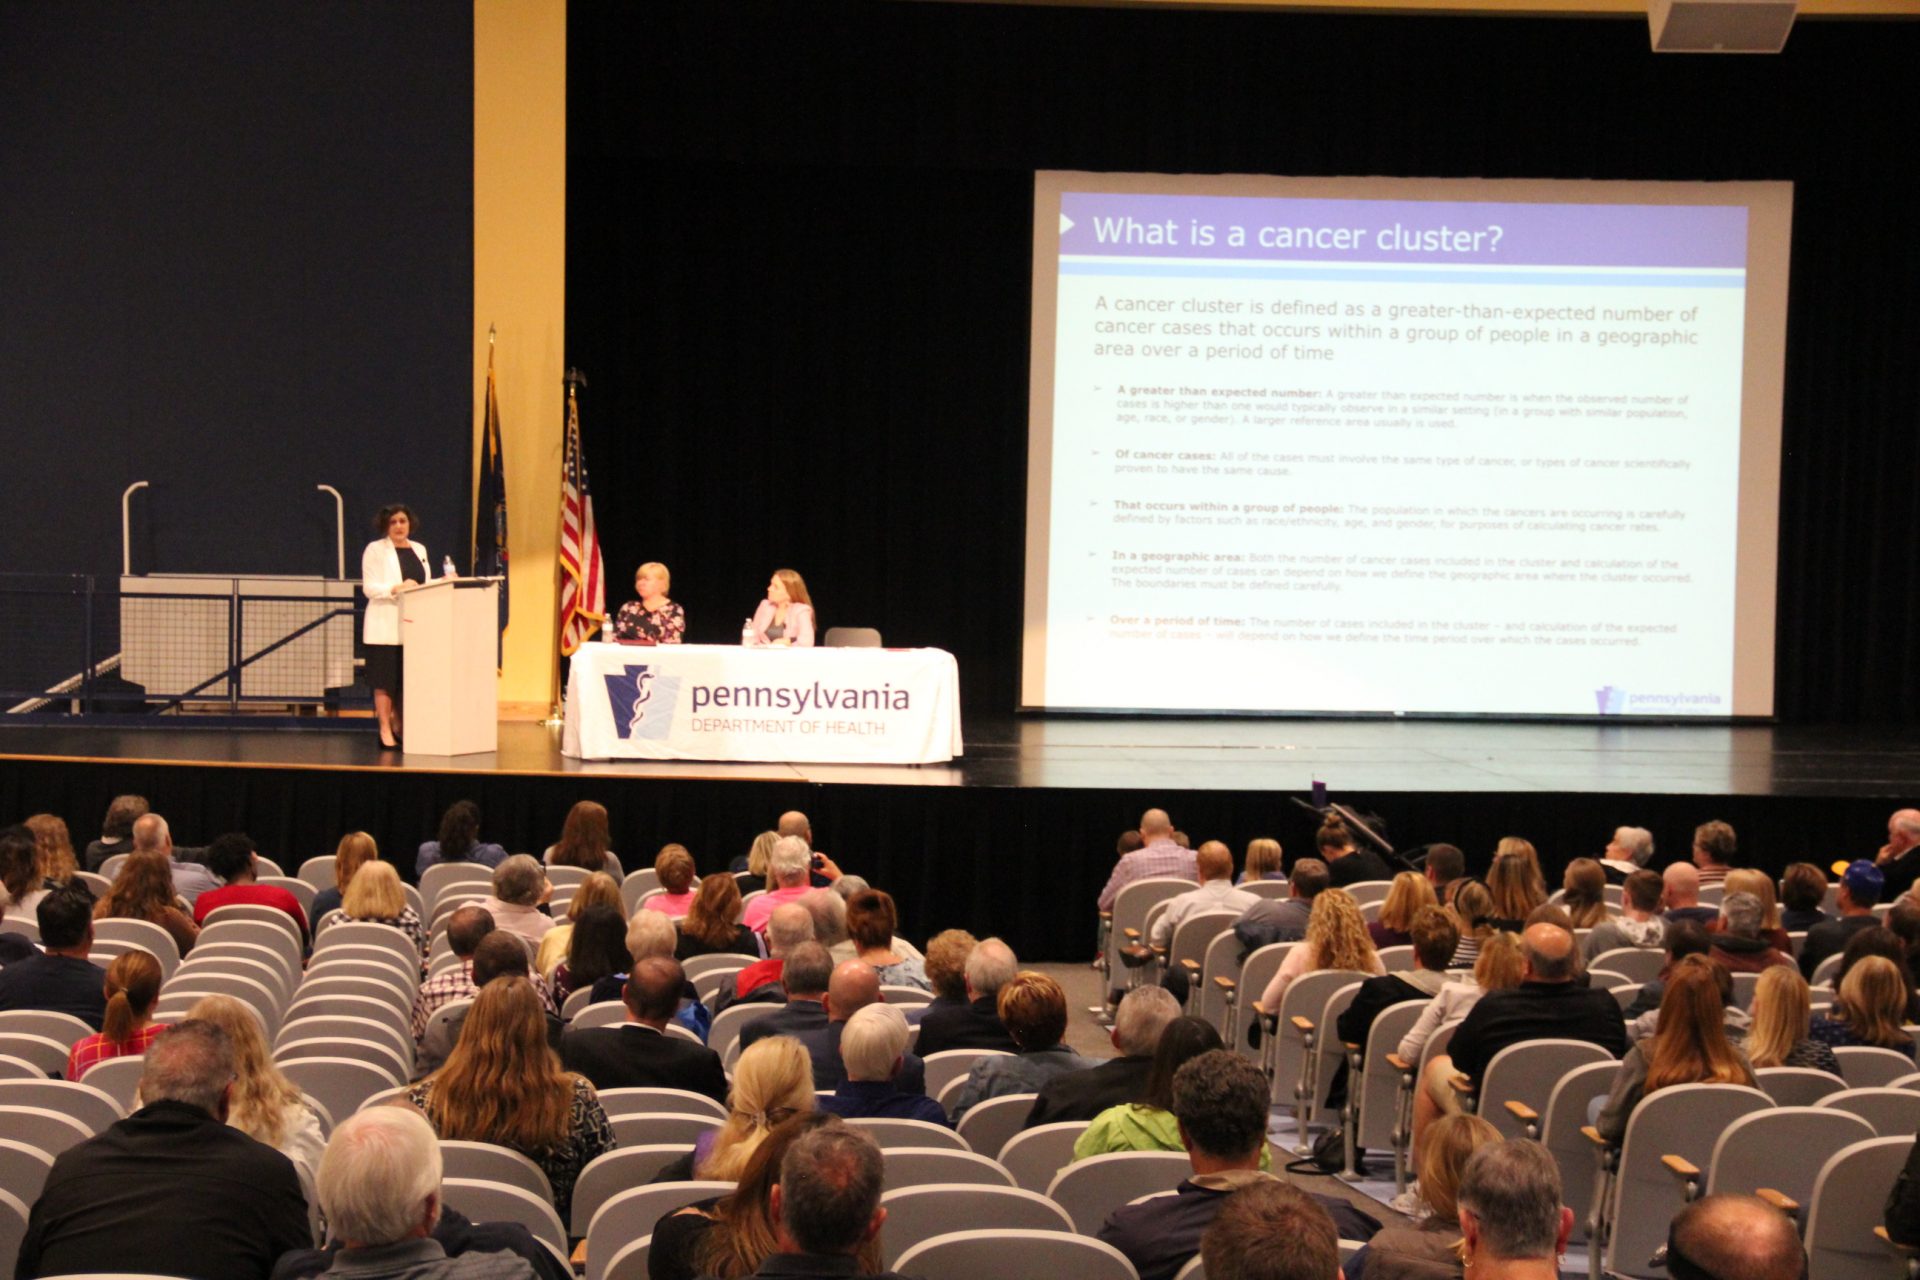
[465,928]
[1160,857]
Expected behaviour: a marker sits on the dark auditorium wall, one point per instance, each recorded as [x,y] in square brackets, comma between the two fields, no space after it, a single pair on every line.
[236,261]
[798,242]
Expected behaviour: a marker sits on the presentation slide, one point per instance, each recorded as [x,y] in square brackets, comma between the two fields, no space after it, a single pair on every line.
[1385,446]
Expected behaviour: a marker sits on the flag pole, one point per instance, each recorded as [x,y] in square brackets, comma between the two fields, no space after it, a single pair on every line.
[573,381]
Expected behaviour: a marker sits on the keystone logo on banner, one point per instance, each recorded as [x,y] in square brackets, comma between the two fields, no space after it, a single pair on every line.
[643,703]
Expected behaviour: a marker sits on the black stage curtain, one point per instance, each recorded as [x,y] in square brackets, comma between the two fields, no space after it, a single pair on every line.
[798,243]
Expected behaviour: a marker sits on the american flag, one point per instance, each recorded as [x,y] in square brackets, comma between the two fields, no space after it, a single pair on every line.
[583,579]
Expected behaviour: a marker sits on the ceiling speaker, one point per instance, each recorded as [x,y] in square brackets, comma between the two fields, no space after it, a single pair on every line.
[1720,26]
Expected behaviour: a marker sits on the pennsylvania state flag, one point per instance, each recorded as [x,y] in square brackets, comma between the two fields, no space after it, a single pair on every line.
[490,510]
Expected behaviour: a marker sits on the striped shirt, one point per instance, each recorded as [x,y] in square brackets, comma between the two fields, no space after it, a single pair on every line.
[1161,858]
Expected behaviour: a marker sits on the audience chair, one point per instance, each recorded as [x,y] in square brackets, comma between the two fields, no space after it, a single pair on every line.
[904,998]
[1130,907]
[1559,1131]
[1772,1154]
[43,1127]
[1849,1196]
[659,1101]
[1825,972]
[651,1128]
[1277,889]
[340,1084]
[1208,1000]
[13,1229]
[12,1068]
[1744,985]
[63,1028]
[404,964]
[1192,942]
[728,1022]
[1397,959]
[917,1166]
[111,867]
[382,1057]
[366,934]
[1328,1052]
[278,938]
[636,885]
[578,1000]
[1291,1037]
[1799,1086]
[374,1009]
[1624,995]
[94,881]
[144,934]
[385,1097]
[953,1064]
[988,1125]
[611,1013]
[484,1201]
[302,892]
[1365,891]
[318,872]
[1091,1189]
[1520,1079]
[91,1106]
[611,1212]
[246,913]
[708,979]
[1255,974]
[1034,1155]
[1866,1067]
[678,1032]
[47,1056]
[23,1169]
[488,1162]
[450,1012]
[1409,1076]
[119,1079]
[1373,1085]
[920,1213]
[1891,1112]
[1638,964]
[367,978]
[370,1029]
[851,638]
[1196,1268]
[175,1002]
[443,879]
[289,971]
[566,877]
[968,1255]
[267,974]
[890,1132]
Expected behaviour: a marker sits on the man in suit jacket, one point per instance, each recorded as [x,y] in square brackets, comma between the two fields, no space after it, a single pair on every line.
[853,986]
[1082,1095]
[976,1025]
[639,1054]
[804,978]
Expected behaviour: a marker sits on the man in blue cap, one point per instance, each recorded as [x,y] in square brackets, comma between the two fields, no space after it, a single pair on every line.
[1860,887]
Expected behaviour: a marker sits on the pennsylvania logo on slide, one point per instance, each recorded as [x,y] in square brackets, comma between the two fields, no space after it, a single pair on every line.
[1611,701]
[643,703]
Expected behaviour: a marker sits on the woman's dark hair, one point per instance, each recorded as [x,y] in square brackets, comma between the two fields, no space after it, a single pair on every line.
[19,873]
[597,946]
[1183,1040]
[459,831]
[389,512]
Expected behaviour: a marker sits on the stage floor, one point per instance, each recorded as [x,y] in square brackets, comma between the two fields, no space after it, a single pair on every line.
[1200,754]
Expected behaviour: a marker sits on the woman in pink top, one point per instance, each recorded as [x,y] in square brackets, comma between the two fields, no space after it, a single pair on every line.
[785,617]
[674,867]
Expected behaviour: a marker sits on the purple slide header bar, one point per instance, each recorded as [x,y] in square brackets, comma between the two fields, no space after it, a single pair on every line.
[1547,235]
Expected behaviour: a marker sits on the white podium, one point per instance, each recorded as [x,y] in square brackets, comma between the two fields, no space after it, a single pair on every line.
[449,631]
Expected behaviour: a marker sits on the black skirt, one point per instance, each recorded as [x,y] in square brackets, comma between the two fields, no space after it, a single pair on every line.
[384,668]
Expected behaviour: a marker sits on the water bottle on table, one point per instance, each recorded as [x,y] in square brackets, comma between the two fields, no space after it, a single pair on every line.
[746,631]
[446,568]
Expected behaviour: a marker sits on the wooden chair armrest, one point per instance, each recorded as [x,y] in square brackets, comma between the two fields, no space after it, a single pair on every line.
[1592,1135]
[1191,966]
[1521,1111]
[1680,1167]
[1398,1063]
[1905,1250]
[1460,1083]
[1303,1025]
[580,1254]
[1784,1203]
[1258,1008]
[1132,935]
[1225,984]
[1107,916]
[1353,1046]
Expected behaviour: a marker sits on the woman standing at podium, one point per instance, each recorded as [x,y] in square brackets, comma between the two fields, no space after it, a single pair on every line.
[388,566]
[785,617]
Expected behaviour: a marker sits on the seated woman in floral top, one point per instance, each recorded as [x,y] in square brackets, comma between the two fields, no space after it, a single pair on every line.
[653,616]
[374,896]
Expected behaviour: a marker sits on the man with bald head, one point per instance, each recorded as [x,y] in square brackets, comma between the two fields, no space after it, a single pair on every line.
[152,835]
[1681,896]
[1899,857]
[788,925]
[1159,856]
[823,869]
[1546,1005]
[854,986]
[1734,1238]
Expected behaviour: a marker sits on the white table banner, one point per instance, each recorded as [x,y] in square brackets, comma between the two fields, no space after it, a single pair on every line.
[724,702]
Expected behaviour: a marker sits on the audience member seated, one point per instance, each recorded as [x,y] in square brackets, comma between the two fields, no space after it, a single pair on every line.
[597,890]
[1429,1249]
[1547,1004]
[1158,855]
[172,1182]
[708,928]
[826,1206]
[1714,848]
[1147,1122]
[730,1236]
[1220,1100]
[1213,863]
[1515,883]
[1347,862]
[788,925]
[1778,1022]
[1270,1231]
[459,841]
[379,1187]
[1869,1008]
[1472,908]
[596,949]
[376,897]
[1500,967]
[946,965]
[1739,1236]
[871,923]
[755,860]
[772,1082]
[498,955]
[673,866]
[823,871]
[1680,896]
[1737,944]
[976,1025]
[788,871]
[465,927]
[1904,923]
[829,911]
[1639,923]
[1336,939]
[1684,938]
[639,1053]
[804,976]
[1512,1224]
[1760,885]
[264,1104]
[1033,1008]
[584,840]
[502,1084]
[1583,893]
[1081,1095]
[1410,892]
[1860,889]
[873,1050]
[520,891]
[1434,938]
[355,850]
[21,884]
[1446,867]
[143,890]
[116,830]
[1803,892]
[854,986]
[1690,1047]
[190,879]
[1903,1203]
[1263,861]
[1629,851]
[1272,920]
[62,980]
[127,1027]
[231,857]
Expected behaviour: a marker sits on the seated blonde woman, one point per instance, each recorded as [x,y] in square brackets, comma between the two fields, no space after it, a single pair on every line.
[772,1082]
[1410,892]
[1262,861]
[1516,884]
[1430,1248]
[1337,938]
[1472,907]
[1869,1009]
[355,850]
[1760,885]
[1778,1028]
[1501,967]
[597,890]
[264,1104]
[1583,893]
[375,897]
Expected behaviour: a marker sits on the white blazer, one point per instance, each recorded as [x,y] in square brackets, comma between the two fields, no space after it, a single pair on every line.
[380,579]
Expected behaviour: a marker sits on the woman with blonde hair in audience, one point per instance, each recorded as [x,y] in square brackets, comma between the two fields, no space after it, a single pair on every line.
[503,1084]
[772,1082]
[53,850]
[1337,938]
[143,890]
[1263,860]
[755,860]
[133,986]
[674,869]
[1869,1009]
[1429,1249]
[584,839]
[375,897]
[1472,908]
[1500,966]
[1409,892]
[871,921]
[712,924]
[1583,893]
[355,850]
[1691,1047]
[1782,1011]
[597,890]
[1515,884]
[264,1104]
[1760,885]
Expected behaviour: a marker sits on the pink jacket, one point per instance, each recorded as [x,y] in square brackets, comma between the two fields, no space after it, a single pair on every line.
[799,624]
